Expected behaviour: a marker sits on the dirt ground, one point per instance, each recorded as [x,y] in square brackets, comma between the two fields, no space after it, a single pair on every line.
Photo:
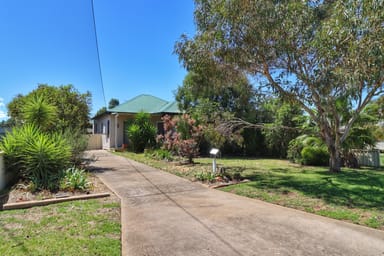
[20,193]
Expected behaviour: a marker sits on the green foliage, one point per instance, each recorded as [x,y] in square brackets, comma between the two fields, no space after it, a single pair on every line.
[142,133]
[317,156]
[210,99]
[326,56]
[74,179]
[113,103]
[78,142]
[182,136]
[13,146]
[308,150]
[38,112]
[205,176]
[36,156]
[101,111]
[286,125]
[233,95]
[253,142]
[72,106]
[159,154]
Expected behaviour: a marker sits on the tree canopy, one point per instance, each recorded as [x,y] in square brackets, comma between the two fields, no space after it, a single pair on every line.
[326,56]
[113,103]
[234,96]
[72,107]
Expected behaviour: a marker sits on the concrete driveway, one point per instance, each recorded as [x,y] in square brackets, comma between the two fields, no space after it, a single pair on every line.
[163,214]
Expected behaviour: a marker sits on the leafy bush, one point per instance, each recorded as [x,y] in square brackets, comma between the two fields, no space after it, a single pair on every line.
[35,156]
[312,155]
[308,150]
[74,179]
[142,132]
[182,136]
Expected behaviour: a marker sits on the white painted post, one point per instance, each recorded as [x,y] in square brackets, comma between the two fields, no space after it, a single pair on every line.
[2,172]
[214,152]
[214,165]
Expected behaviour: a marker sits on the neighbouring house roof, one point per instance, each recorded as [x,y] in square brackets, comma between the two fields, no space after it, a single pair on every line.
[146,103]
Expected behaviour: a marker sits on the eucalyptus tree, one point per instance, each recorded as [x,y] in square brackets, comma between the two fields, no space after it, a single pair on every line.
[325,56]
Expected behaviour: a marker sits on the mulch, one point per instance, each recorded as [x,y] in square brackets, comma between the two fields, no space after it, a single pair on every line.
[20,193]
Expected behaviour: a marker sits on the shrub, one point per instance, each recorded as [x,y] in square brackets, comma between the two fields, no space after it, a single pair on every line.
[78,143]
[142,132]
[312,155]
[182,136]
[315,148]
[36,156]
[74,179]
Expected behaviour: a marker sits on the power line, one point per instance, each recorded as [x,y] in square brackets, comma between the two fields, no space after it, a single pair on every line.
[98,54]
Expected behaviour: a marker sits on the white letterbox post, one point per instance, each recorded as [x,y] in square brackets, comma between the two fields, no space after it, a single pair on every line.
[214,152]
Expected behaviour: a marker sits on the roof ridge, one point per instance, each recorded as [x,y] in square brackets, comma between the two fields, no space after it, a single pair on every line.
[146,102]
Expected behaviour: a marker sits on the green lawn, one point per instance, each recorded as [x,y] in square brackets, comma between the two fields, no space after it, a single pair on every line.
[90,227]
[353,195]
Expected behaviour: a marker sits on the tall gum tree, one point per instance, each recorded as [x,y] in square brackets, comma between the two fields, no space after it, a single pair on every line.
[326,56]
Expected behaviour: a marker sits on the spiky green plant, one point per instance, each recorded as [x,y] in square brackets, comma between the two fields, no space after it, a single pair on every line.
[38,112]
[36,156]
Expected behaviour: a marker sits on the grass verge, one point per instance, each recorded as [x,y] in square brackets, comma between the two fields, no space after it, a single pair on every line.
[354,195]
[89,227]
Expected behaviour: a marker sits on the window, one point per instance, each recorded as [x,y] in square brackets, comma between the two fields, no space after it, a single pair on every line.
[160,128]
[108,128]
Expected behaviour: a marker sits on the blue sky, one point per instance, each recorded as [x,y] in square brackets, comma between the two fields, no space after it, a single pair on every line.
[53,42]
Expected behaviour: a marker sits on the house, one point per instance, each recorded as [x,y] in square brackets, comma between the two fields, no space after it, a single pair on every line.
[113,123]
[380,146]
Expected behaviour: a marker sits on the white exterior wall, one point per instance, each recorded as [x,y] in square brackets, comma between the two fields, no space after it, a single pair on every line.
[103,126]
[115,138]
[119,130]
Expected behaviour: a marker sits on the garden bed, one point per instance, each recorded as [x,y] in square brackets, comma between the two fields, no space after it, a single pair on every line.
[20,193]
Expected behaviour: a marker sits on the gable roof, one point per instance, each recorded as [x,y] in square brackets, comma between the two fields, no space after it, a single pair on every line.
[146,103]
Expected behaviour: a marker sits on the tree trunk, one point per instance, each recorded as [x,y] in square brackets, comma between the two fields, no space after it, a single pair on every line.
[334,159]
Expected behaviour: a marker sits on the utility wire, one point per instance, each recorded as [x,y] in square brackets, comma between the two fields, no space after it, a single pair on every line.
[98,53]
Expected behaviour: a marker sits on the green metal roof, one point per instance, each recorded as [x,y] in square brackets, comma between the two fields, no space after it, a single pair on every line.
[171,107]
[146,103]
